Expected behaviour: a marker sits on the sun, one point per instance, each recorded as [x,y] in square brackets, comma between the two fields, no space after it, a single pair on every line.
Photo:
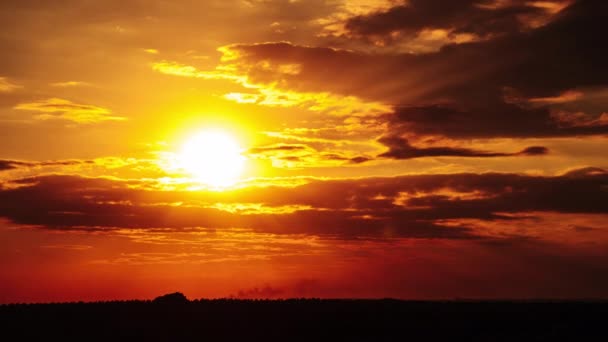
[213,158]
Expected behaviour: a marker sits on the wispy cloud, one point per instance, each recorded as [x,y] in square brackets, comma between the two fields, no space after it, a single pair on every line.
[56,108]
[68,84]
[267,93]
[6,86]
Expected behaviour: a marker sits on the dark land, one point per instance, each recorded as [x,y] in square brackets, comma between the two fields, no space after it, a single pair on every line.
[172,318]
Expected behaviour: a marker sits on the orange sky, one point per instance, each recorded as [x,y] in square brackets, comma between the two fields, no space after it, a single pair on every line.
[409,149]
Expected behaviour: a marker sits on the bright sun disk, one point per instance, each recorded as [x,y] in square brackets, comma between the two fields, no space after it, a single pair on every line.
[213,158]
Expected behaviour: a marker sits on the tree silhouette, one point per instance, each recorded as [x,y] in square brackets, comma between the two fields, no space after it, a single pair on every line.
[172,298]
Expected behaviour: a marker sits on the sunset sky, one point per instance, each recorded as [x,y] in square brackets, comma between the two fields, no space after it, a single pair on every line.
[417,149]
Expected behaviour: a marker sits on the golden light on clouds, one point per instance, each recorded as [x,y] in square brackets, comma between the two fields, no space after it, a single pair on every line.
[272,94]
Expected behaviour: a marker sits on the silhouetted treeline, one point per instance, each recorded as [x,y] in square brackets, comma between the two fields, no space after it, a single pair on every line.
[174,318]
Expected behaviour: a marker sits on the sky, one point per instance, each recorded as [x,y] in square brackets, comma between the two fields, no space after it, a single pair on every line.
[415,149]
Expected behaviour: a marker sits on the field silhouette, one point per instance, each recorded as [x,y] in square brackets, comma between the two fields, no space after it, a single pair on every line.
[172,317]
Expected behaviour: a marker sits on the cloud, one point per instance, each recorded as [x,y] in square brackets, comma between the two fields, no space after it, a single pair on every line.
[478,18]
[267,93]
[68,247]
[534,151]
[467,105]
[461,91]
[565,97]
[276,148]
[56,108]
[400,148]
[472,104]
[151,51]
[6,86]
[68,84]
[183,70]
[407,206]
[300,155]
[350,160]
[504,120]
[6,164]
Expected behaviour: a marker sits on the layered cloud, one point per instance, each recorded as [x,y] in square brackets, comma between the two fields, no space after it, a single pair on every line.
[408,206]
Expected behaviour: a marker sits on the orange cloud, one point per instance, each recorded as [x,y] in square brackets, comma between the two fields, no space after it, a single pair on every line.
[68,84]
[61,109]
[270,92]
[6,86]
[407,206]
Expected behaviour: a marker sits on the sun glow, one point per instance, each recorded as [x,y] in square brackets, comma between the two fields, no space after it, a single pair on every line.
[213,158]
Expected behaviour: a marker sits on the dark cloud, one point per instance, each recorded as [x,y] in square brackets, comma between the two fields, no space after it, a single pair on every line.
[585,172]
[7,165]
[305,155]
[407,206]
[351,160]
[400,148]
[502,120]
[359,160]
[534,151]
[583,229]
[459,16]
[461,91]
[277,148]
[16,164]
[291,158]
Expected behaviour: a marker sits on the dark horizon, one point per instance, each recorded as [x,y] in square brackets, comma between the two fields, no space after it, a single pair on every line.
[329,299]
[303,320]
